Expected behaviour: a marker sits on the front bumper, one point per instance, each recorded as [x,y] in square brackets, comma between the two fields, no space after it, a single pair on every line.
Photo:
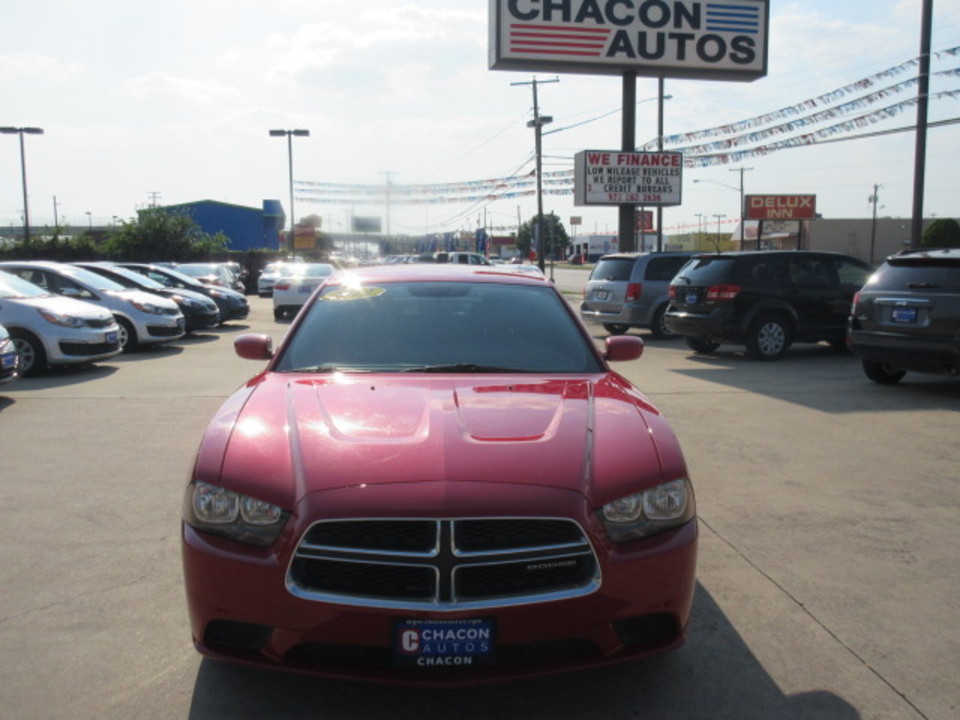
[201,319]
[242,610]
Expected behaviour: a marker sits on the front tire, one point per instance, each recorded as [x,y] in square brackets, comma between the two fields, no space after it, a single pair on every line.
[702,345]
[882,374]
[127,334]
[768,337]
[33,358]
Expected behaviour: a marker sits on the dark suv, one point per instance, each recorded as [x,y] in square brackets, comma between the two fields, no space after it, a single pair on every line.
[765,300]
[907,317]
[628,290]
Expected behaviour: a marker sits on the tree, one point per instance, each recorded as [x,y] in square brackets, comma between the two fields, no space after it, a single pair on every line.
[941,233]
[159,234]
[555,238]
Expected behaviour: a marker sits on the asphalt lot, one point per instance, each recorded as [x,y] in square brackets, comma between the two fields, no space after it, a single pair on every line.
[828,588]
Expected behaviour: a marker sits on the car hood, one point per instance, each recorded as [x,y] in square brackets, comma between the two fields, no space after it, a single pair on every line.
[284,436]
[63,306]
[142,297]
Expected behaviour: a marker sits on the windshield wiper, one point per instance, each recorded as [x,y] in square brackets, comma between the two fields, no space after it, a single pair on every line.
[463,368]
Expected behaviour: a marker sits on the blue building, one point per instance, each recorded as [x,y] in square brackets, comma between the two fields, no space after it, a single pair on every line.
[247,228]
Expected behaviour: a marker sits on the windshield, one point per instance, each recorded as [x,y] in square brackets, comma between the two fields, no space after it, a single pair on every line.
[13,287]
[178,277]
[90,279]
[439,327]
[198,270]
[136,278]
[614,269]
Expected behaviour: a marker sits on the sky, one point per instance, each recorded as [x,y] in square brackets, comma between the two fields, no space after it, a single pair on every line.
[170,101]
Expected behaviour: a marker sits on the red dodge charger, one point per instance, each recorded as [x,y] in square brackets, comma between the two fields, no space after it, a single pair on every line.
[437,479]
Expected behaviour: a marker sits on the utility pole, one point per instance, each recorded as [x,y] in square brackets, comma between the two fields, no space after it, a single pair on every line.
[743,212]
[154,198]
[719,218]
[923,99]
[874,199]
[537,124]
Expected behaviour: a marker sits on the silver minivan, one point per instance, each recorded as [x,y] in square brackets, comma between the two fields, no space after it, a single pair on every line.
[628,290]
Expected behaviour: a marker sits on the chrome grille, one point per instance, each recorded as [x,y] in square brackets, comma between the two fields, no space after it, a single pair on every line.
[449,564]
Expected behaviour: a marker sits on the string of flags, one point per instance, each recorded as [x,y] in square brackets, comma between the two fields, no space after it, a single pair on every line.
[747,139]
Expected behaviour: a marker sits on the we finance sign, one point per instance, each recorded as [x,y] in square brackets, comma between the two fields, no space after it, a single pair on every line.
[722,40]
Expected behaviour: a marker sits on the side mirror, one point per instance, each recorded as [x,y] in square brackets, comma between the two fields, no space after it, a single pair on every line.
[254,347]
[621,348]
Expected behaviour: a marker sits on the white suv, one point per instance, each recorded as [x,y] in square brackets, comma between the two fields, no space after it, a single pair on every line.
[143,318]
[51,330]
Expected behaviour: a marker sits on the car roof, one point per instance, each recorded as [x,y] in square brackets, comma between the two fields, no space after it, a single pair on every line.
[441,272]
[933,255]
[635,255]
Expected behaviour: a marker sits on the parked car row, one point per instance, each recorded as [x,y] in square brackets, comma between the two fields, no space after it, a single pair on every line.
[905,316]
[63,314]
[9,360]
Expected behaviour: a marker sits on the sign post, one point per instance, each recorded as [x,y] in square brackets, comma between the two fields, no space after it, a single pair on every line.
[693,39]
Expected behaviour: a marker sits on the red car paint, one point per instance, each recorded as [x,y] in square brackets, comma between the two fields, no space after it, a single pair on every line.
[438,446]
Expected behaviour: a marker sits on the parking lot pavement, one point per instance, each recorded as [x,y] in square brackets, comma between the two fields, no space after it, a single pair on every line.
[827,586]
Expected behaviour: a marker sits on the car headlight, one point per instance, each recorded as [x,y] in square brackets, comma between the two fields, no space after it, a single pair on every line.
[219,511]
[147,307]
[646,513]
[183,300]
[61,319]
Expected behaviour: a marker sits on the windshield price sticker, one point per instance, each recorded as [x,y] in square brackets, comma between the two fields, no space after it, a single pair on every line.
[443,643]
[611,177]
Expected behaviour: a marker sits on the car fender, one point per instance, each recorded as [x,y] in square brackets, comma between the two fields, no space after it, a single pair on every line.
[769,305]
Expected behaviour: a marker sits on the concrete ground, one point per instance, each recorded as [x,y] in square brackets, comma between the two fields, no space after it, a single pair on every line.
[829,586]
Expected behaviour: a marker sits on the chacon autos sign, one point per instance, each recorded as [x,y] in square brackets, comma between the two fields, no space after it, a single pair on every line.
[711,40]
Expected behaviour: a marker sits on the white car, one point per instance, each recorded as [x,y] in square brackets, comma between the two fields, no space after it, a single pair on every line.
[9,360]
[268,277]
[51,330]
[295,284]
[143,318]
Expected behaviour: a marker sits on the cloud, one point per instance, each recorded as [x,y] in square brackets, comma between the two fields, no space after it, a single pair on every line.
[34,67]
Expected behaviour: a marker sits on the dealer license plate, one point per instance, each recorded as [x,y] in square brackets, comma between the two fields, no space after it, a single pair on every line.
[110,338]
[691,298]
[443,643]
[904,315]
[306,288]
[8,360]
[602,294]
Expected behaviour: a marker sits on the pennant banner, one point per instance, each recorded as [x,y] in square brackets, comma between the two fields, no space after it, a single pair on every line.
[748,138]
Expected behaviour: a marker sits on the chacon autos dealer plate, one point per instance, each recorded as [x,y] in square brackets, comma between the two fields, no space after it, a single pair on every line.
[443,643]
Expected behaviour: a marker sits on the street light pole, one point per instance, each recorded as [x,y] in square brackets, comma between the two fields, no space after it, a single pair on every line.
[21,131]
[289,135]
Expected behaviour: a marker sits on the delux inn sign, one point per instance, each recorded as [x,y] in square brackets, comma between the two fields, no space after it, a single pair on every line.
[721,40]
